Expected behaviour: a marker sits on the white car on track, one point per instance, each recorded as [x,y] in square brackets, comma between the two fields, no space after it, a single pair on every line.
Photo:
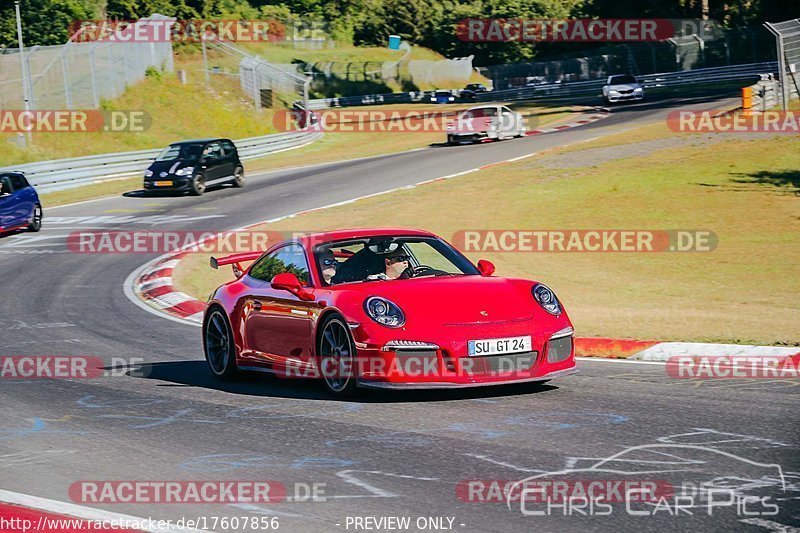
[494,122]
[622,87]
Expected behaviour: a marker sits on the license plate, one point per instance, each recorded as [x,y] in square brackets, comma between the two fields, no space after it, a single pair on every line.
[163,183]
[499,346]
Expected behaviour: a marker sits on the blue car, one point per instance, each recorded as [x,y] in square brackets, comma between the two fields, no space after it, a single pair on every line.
[442,97]
[19,204]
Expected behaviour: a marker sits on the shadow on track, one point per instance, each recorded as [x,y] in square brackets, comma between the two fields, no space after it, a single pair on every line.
[196,374]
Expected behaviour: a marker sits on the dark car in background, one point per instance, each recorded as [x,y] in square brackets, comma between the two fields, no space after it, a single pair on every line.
[192,166]
[471,91]
[19,203]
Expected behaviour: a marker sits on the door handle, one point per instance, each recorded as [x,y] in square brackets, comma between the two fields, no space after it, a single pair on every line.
[256,305]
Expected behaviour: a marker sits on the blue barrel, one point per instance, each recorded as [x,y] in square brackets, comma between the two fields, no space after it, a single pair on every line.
[394,42]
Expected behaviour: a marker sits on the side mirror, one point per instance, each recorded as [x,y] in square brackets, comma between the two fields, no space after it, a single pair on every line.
[286,281]
[485,267]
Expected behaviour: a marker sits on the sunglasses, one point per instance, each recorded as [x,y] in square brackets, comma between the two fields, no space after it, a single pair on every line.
[398,258]
[330,261]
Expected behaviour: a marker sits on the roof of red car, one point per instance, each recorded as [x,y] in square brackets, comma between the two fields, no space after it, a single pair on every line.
[344,234]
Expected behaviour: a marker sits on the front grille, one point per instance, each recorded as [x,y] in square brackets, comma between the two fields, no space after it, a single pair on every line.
[416,361]
[559,349]
[492,364]
[515,362]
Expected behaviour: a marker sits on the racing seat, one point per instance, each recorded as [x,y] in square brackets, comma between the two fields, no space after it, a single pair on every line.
[363,263]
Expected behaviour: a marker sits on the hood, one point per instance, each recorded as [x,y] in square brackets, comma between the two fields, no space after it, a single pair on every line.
[157,167]
[624,87]
[454,300]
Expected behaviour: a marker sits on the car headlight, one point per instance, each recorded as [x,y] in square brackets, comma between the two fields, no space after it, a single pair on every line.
[148,173]
[547,299]
[612,91]
[185,171]
[638,90]
[384,312]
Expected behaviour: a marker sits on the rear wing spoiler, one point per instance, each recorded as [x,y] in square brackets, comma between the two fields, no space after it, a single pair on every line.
[235,260]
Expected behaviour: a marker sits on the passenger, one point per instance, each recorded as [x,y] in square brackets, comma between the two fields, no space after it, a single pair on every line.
[328,263]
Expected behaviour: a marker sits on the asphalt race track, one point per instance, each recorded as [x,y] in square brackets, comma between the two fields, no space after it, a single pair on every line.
[383,454]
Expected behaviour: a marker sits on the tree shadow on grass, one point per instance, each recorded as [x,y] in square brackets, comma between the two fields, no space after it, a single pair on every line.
[782,179]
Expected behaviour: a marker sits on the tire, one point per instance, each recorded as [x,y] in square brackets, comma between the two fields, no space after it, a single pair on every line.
[239,179]
[198,185]
[335,350]
[218,344]
[36,221]
[450,141]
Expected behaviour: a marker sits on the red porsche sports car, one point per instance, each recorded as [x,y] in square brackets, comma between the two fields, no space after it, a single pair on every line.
[386,308]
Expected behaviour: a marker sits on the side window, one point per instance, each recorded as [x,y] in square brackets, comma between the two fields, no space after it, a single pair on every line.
[294,258]
[18,182]
[5,185]
[212,152]
[230,149]
[290,258]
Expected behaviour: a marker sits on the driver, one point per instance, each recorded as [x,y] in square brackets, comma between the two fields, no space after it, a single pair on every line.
[328,263]
[396,263]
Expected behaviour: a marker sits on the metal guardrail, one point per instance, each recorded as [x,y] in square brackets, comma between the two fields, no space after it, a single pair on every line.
[567,90]
[60,174]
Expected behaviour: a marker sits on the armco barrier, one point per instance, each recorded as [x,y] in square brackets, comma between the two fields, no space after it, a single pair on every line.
[59,174]
[569,90]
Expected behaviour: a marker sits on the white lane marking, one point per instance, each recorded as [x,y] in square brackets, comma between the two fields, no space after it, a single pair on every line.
[197,317]
[259,174]
[79,511]
[770,525]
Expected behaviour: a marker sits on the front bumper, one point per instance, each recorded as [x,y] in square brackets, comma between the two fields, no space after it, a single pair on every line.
[625,97]
[470,137]
[446,364]
[178,183]
[453,385]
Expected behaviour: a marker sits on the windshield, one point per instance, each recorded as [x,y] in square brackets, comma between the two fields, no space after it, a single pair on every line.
[622,79]
[387,258]
[479,112]
[187,152]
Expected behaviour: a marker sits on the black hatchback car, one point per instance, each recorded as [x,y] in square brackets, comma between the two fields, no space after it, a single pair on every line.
[195,165]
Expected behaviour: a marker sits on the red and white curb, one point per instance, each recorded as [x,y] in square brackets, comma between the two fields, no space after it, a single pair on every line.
[154,286]
[663,351]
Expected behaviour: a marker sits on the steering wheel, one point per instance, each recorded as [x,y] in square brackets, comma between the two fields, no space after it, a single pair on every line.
[421,270]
